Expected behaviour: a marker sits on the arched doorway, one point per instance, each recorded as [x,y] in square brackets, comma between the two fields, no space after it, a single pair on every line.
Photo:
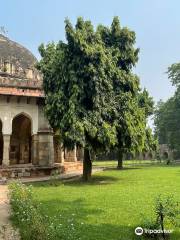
[1,143]
[165,155]
[20,143]
[150,156]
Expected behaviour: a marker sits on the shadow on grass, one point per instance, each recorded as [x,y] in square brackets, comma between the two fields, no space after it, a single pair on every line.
[107,232]
[78,213]
[77,209]
[117,232]
[137,167]
[77,182]
[122,169]
[95,180]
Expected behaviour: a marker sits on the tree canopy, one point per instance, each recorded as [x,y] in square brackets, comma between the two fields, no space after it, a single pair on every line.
[167,127]
[92,96]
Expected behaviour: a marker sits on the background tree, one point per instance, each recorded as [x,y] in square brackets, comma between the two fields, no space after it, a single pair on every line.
[167,128]
[167,114]
[134,106]
[91,95]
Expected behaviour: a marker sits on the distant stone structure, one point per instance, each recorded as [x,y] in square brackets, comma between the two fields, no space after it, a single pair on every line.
[26,140]
[165,152]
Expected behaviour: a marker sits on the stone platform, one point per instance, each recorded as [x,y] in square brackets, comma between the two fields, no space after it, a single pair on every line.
[28,170]
[72,166]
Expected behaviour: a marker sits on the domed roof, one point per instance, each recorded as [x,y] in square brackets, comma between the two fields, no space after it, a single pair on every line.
[18,75]
[15,53]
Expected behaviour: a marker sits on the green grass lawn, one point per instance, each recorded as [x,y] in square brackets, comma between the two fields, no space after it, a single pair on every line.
[113,204]
[113,163]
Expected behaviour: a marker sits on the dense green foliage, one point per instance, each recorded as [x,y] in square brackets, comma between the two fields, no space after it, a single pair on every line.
[112,204]
[174,74]
[167,114]
[92,97]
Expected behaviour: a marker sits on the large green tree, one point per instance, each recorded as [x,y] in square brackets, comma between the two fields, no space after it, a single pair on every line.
[167,114]
[92,97]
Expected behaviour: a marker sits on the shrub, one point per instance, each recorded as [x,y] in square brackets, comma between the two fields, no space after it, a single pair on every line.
[32,223]
[26,214]
[54,178]
[167,209]
[167,212]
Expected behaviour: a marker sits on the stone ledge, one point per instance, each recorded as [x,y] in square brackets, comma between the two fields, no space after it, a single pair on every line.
[30,171]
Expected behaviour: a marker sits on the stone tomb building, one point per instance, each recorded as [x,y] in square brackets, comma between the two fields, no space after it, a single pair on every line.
[27,143]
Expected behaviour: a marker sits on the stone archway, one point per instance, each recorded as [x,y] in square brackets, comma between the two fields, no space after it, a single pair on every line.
[20,142]
[150,156]
[165,155]
[1,143]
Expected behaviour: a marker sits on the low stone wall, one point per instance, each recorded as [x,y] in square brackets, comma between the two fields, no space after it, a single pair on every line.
[37,171]
[13,172]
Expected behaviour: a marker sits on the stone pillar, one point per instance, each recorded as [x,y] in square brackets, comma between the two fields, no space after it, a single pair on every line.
[70,155]
[34,150]
[6,148]
[74,154]
[80,154]
[45,148]
[61,152]
[58,151]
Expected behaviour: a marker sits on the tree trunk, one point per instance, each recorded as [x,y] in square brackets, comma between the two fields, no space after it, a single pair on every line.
[120,159]
[87,165]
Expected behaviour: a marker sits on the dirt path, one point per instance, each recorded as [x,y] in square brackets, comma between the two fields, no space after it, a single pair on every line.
[6,230]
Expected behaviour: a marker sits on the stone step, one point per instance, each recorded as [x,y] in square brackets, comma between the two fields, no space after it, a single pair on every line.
[73,166]
[72,163]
